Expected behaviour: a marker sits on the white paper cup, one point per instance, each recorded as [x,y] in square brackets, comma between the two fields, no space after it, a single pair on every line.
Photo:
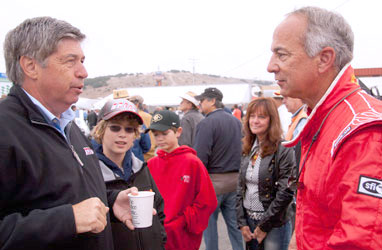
[142,208]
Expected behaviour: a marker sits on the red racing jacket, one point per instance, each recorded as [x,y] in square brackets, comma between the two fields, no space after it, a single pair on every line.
[339,201]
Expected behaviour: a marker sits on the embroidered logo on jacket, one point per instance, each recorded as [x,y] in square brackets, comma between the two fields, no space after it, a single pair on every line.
[370,186]
[88,151]
[185,178]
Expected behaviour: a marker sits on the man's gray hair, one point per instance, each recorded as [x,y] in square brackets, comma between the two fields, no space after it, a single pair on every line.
[327,29]
[36,38]
[218,104]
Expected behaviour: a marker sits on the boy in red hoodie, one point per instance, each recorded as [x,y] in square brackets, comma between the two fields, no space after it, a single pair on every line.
[184,183]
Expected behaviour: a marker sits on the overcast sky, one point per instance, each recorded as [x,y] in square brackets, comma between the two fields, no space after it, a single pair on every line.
[221,37]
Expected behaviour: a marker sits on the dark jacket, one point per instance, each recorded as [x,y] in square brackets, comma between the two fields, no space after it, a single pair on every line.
[188,123]
[92,119]
[142,145]
[41,178]
[218,142]
[151,238]
[273,191]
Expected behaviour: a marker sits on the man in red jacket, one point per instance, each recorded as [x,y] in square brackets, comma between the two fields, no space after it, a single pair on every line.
[183,182]
[339,182]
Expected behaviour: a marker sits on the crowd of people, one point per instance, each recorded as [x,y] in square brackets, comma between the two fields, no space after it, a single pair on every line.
[312,181]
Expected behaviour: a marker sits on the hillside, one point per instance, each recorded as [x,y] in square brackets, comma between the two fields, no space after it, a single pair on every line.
[102,86]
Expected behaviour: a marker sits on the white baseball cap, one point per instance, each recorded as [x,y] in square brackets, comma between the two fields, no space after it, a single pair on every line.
[190,96]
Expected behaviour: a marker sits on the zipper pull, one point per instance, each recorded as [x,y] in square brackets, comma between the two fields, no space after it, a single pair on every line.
[76,156]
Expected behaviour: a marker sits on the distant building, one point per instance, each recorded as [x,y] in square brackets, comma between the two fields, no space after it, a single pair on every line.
[158,78]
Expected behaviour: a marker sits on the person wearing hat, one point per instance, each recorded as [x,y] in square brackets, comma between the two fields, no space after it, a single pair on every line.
[218,145]
[114,136]
[138,101]
[183,182]
[191,118]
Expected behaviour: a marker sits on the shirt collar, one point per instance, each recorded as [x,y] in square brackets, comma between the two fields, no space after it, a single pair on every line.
[65,118]
[298,110]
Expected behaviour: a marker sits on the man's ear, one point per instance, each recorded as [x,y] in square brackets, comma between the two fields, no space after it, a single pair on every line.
[29,66]
[326,57]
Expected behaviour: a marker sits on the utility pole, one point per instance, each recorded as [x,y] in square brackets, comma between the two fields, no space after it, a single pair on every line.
[193,60]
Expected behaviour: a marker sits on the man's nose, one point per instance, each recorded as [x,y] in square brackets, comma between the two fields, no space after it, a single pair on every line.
[272,65]
[81,71]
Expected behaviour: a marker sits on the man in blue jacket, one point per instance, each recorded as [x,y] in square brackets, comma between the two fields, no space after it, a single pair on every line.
[52,192]
[218,145]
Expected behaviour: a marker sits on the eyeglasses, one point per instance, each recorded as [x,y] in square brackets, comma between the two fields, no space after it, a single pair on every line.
[117,128]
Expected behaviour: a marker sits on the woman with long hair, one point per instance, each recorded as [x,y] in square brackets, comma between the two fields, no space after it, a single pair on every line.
[263,197]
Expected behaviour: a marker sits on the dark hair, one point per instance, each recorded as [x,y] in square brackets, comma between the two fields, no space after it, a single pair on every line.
[266,106]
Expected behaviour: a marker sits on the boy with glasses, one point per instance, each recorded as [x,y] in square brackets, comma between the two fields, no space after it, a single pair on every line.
[114,138]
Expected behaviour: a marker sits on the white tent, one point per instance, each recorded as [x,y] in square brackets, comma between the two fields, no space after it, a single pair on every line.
[169,95]
[86,103]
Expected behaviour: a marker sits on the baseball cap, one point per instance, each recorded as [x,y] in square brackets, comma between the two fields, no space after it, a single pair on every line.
[210,93]
[164,120]
[190,96]
[117,106]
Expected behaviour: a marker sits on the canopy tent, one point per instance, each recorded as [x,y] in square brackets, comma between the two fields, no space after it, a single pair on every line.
[169,95]
[86,103]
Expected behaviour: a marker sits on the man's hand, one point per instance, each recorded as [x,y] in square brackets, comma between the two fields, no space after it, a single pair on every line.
[292,243]
[121,207]
[246,232]
[259,234]
[90,215]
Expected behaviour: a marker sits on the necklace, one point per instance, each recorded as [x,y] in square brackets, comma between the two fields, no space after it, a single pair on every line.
[254,158]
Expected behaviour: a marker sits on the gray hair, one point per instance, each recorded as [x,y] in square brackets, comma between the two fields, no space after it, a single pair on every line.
[218,104]
[36,38]
[327,29]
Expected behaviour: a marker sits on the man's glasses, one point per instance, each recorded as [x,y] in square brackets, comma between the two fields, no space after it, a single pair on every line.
[117,128]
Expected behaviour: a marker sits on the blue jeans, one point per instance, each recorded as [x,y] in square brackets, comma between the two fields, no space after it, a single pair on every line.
[227,205]
[277,239]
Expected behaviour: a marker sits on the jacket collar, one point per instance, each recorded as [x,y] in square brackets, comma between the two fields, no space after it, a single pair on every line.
[344,83]
[213,112]
[32,111]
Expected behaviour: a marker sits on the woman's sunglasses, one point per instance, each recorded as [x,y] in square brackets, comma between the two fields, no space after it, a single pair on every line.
[117,128]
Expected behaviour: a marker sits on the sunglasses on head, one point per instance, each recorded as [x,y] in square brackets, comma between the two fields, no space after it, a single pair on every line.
[117,128]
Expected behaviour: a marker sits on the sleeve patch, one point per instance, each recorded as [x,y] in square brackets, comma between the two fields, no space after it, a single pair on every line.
[370,186]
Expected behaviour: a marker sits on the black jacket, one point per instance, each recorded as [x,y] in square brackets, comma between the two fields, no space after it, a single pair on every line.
[41,179]
[151,238]
[92,119]
[218,142]
[273,191]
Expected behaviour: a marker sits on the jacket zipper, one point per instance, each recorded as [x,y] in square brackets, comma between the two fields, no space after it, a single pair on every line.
[139,241]
[77,158]
[71,146]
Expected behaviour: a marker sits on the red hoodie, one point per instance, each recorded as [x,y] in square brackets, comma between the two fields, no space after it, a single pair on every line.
[188,194]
